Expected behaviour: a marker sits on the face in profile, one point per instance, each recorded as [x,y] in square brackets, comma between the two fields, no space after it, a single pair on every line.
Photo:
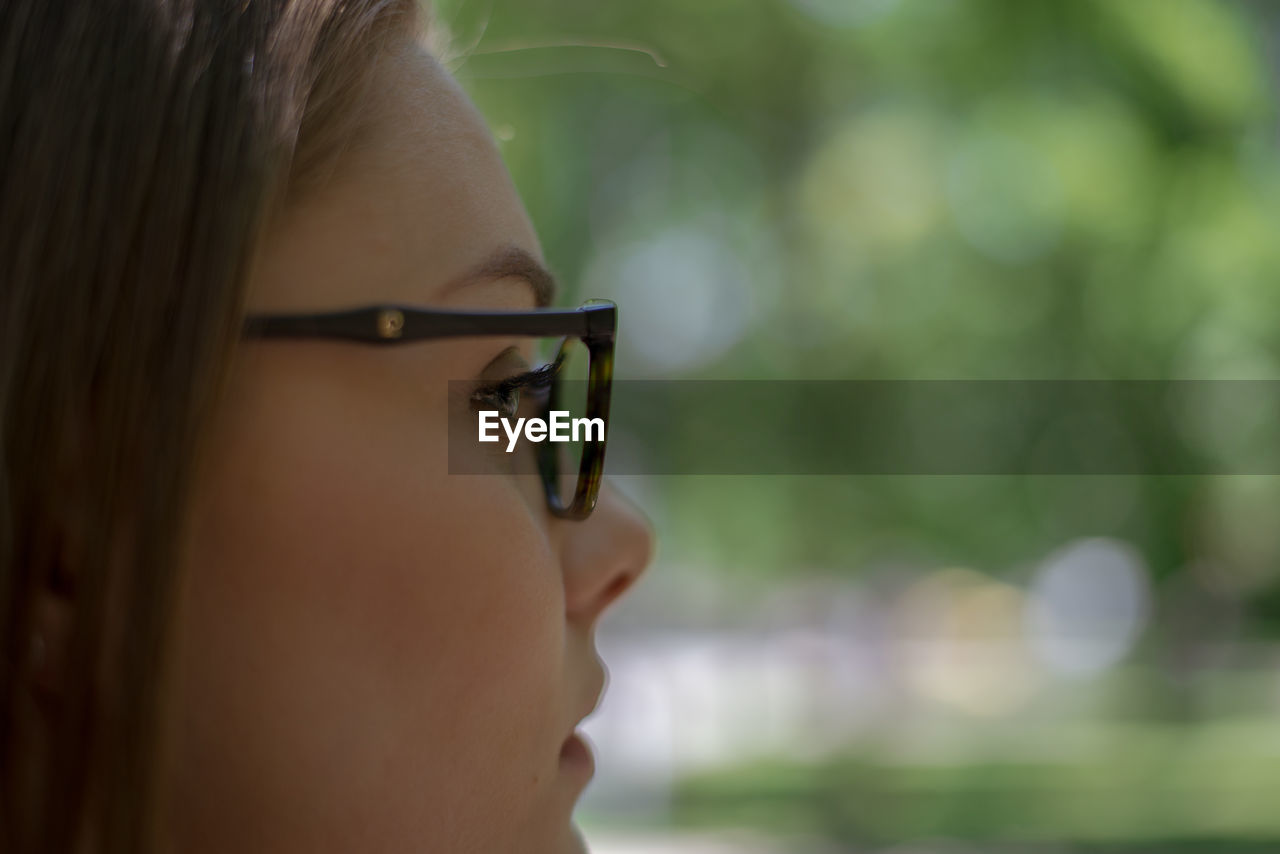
[374,655]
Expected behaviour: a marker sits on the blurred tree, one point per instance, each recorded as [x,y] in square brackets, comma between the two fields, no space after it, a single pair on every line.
[911,189]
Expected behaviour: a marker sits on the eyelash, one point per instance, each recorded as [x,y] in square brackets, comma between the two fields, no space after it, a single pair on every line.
[537,378]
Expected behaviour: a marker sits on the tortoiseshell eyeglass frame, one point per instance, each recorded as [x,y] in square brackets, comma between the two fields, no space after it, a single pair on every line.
[594,323]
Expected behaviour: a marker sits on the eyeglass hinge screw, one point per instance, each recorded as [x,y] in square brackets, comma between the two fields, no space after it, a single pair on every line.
[390,323]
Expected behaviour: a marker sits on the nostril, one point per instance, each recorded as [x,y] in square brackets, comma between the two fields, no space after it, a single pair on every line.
[618,586]
[607,554]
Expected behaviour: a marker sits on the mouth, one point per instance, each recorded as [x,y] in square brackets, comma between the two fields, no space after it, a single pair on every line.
[576,757]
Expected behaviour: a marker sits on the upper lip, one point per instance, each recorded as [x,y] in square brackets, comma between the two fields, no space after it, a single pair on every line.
[597,694]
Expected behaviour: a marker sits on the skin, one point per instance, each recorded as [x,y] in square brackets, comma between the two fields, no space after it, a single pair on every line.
[374,655]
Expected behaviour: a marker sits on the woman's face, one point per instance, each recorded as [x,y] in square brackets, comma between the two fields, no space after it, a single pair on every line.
[374,655]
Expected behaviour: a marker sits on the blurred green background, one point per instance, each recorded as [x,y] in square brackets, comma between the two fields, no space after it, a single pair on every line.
[906,189]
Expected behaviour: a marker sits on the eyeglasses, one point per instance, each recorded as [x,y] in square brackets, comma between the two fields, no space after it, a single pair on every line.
[582,389]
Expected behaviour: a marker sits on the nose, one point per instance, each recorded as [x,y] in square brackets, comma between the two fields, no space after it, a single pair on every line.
[604,555]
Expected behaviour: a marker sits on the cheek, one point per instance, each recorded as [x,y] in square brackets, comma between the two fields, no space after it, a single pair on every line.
[371,651]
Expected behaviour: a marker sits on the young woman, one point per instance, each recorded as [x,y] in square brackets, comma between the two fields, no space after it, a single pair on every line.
[247,245]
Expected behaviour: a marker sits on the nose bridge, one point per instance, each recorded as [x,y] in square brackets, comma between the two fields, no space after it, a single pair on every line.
[605,554]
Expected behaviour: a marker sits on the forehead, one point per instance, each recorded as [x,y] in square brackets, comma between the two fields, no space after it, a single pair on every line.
[420,202]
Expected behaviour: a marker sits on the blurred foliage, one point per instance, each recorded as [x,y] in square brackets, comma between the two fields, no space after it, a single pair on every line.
[911,189]
[967,189]
[916,188]
[1185,787]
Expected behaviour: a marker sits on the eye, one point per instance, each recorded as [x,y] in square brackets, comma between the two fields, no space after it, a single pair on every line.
[504,398]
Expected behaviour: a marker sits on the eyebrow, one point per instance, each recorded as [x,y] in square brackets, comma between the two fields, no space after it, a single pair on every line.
[512,261]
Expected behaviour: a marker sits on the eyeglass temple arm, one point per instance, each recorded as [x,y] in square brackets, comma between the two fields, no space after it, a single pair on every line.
[390,323]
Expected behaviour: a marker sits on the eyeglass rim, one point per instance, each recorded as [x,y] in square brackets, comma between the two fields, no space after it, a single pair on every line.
[591,466]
